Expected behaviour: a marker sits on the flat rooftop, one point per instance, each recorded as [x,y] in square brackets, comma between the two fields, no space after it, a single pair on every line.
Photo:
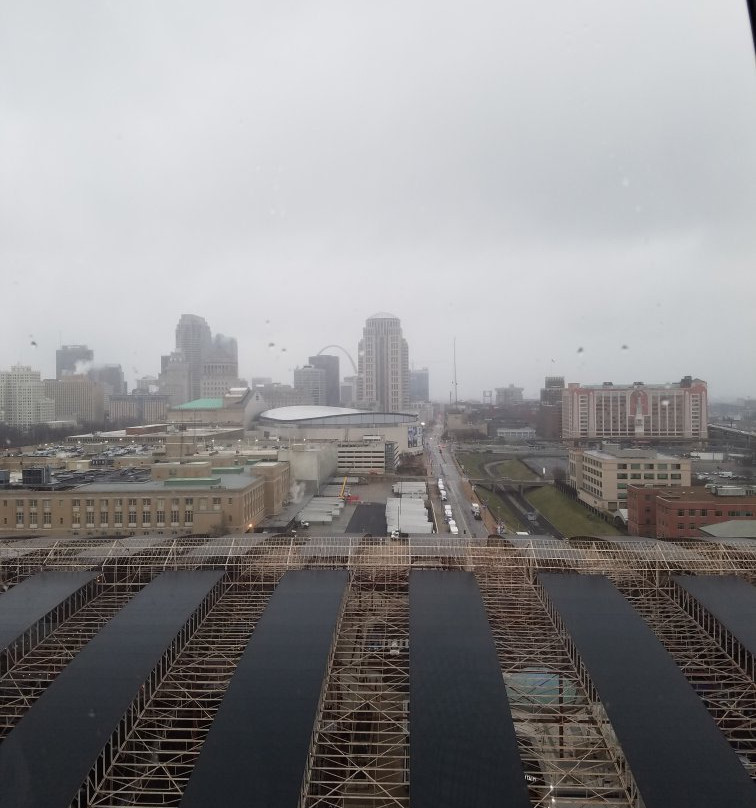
[231,482]
[630,454]
[699,493]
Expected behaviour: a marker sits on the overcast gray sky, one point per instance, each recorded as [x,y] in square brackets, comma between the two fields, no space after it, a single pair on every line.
[530,177]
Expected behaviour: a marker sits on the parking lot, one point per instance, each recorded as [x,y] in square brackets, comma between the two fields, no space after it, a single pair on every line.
[357,518]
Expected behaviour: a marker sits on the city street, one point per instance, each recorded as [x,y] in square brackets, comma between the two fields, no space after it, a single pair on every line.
[446,467]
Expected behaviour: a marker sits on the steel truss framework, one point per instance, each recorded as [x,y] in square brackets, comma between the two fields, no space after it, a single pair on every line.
[568,750]
[726,689]
[359,756]
[360,747]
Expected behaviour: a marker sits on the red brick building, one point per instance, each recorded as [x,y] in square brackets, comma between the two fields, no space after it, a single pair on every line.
[679,513]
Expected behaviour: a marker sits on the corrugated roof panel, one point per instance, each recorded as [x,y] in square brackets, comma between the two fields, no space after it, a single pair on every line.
[731,600]
[677,755]
[256,751]
[45,759]
[463,748]
[29,601]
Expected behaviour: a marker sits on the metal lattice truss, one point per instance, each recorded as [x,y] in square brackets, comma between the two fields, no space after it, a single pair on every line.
[568,751]
[360,752]
[727,690]
[153,761]
[359,755]
[31,666]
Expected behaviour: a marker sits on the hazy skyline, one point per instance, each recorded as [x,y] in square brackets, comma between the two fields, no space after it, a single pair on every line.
[530,180]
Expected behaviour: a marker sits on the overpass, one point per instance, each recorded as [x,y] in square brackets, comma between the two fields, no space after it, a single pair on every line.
[740,438]
[508,484]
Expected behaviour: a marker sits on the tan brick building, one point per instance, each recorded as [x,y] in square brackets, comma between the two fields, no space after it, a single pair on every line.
[205,501]
[602,476]
[78,398]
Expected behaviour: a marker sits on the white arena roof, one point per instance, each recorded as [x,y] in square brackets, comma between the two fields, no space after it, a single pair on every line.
[316,414]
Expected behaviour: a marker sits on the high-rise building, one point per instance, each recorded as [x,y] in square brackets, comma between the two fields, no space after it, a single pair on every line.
[506,396]
[637,411]
[202,366]
[138,408]
[147,384]
[110,377]
[72,359]
[348,391]
[419,388]
[193,338]
[77,398]
[329,364]
[551,392]
[220,369]
[311,382]
[22,398]
[175,379]
[193,343]
[549,420]
[383,365]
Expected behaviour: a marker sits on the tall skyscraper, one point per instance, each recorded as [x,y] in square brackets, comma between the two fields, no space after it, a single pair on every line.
[193,342]
[202,366]
[220,369]
[312,383]
[418,385]
[383,365]
[330,364]
[193,338]
[69,359]
[549,419]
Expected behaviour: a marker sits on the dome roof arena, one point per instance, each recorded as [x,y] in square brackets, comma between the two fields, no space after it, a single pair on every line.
[334,416]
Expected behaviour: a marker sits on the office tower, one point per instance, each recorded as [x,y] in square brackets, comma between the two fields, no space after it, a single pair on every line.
[193,343]
[507,396]
[551,392]
[419,389]
[329,364]
[311,382]
[202,366]
[383,365]
[193,338]
[220,369]
[72,359]
[77,398]
[22,398]
[348,391]
[110,377]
